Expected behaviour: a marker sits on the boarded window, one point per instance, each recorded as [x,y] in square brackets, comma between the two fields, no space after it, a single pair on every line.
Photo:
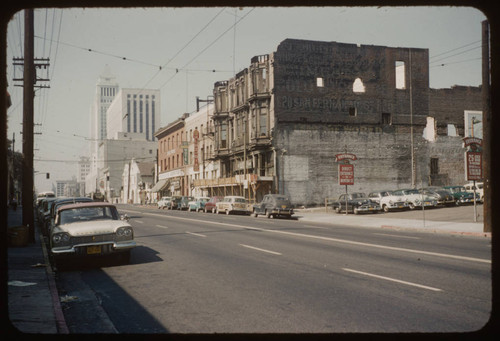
[319,82]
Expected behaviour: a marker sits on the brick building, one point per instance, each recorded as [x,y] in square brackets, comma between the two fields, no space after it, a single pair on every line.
[279,123]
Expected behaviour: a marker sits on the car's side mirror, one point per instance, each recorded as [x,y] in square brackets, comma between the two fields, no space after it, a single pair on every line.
[125,217]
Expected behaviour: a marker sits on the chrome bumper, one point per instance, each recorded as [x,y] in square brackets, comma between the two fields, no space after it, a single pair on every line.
[113,247]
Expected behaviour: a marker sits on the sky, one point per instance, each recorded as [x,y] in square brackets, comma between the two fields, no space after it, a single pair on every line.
[184,51]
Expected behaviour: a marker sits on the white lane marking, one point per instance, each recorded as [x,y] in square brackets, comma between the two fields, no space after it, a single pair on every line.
[335,240]
[163,227]
[392,280]
[315,227]
[195,234]
[256,248]
[138,221]
[395,235]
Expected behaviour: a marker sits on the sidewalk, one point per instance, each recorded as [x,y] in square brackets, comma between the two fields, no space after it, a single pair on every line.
[33,301]
[385,221]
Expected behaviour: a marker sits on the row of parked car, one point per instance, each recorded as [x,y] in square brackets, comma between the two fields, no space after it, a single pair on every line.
[80,227]
[272,205]
[402,199]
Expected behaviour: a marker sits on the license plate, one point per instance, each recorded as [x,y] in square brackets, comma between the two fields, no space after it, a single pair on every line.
[91,250]
[283,206]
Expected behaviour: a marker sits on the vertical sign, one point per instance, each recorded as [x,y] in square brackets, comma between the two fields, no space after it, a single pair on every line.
[474,166]
[196,165]
[346,174]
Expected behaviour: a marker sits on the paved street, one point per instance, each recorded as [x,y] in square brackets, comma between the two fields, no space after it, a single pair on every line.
[206,273]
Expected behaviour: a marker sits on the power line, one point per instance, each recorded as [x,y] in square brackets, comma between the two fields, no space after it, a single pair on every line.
[207,47]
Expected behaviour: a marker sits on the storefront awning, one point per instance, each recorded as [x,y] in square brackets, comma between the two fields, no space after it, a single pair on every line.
[160,185]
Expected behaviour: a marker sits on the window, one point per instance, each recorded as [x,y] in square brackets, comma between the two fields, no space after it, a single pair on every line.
[358,86]
[434,166]
[353,111]
[319,82]
[400,75]
[223,135]
[386,118]
[263,122]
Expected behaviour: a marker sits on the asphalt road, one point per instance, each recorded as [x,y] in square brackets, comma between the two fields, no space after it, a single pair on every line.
[206,273]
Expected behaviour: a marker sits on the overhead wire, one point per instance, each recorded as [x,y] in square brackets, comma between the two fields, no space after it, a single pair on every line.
[207,47]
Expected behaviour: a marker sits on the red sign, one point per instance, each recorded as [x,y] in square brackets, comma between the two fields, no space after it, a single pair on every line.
[196,165]
[474,166]
[345,156]
[346,174]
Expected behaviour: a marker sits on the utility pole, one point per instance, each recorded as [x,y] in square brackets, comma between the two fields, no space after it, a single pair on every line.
[487,129]
[28,99]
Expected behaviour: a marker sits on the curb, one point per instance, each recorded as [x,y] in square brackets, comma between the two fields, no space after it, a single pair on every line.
[62,328]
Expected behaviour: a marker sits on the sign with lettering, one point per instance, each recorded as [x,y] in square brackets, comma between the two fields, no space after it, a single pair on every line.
[474,166]
[346,174]
[196,164]
[345,156]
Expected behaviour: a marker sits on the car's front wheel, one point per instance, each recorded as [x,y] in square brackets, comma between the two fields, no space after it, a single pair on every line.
[386,208]
[255,214]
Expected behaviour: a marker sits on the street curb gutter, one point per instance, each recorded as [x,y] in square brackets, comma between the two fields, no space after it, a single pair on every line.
[59,316]
[473,234]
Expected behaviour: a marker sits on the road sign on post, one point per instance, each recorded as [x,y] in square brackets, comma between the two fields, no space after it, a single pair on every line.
[346,174]
[474,160]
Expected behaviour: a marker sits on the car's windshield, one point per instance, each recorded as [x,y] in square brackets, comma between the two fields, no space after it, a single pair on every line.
[411,191]
[358,195]
[239,200]
[87,213]
[282,201]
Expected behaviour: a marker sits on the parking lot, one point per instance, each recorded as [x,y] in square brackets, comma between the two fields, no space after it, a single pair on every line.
[463,214]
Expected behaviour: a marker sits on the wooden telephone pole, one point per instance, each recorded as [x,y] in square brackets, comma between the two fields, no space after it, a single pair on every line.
[28,99]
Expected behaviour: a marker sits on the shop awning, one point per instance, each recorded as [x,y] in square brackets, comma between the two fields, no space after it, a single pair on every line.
[160,185]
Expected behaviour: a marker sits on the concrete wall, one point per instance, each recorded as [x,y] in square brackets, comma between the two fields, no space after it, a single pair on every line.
[309,171]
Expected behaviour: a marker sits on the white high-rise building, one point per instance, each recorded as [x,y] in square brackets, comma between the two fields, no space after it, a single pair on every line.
[106,90]
[134,111]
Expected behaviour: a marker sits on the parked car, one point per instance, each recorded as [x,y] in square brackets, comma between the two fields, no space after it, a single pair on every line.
[469,187]
[377,195]
[461,195]
[92,229]
[198,204]
[356,203]
[210,206]
[273,205]
[184,203]
[44,217]
[232,204]
[392,202]
[164,202]
[55,206]
[415,199]
[175,202]
[442,196]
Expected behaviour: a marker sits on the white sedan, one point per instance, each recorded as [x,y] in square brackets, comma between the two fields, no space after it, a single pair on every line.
[92,229]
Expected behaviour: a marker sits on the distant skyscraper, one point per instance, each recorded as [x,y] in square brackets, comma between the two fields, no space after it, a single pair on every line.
[135,111]
[106,90]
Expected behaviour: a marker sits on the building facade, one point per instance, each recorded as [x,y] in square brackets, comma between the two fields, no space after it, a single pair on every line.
[134,111]
[291,112]
[279,124]
[172,157]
